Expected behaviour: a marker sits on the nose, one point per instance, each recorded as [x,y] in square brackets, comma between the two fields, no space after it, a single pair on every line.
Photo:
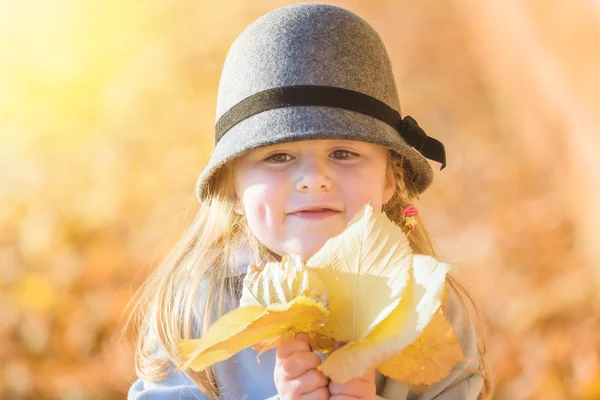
[313,176]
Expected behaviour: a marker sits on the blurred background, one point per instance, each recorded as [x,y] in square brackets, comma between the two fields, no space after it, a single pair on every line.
[107,114]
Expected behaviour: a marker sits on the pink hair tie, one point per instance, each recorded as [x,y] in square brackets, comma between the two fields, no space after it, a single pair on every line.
[408,216]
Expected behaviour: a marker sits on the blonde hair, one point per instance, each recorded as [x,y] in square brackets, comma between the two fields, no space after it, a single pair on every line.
[164,307]
[421,243]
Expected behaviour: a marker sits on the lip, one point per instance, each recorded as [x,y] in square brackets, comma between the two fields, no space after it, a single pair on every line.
[315,214]
[316,211]
[316,207]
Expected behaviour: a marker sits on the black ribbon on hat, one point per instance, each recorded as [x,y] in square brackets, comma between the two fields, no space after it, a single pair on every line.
[330,96]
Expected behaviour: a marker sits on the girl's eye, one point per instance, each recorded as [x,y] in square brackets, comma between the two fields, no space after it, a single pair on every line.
[285,157]
[342,154]
[280,157]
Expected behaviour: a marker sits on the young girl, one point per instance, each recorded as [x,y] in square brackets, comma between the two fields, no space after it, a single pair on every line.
[308,131]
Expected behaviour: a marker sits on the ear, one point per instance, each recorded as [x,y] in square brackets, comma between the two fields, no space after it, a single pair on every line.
[390,185]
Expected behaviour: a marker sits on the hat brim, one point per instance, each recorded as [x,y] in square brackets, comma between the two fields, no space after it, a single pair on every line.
[289,124]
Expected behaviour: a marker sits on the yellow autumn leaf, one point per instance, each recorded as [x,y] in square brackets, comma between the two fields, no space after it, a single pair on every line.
[279,298]
[280,283]
[381,295]
[321,343]
[429,358]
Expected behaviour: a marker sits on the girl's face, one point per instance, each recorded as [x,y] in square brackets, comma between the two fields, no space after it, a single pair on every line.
[297,195]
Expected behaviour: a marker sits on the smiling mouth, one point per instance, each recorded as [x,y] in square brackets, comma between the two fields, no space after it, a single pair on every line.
[315,214]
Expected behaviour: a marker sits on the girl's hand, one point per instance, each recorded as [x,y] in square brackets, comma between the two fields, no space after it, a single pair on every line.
[362,388]
[295,375]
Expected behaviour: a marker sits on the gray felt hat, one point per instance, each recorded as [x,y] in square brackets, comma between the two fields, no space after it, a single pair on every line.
[313,71]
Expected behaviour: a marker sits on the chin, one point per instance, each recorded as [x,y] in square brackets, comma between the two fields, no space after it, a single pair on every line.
[307,251]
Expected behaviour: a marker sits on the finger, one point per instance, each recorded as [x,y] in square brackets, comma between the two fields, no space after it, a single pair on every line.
[352,387]
[318,394]
[298,364]
[289,347]
[348,388]
[303,337]
[343,397]
[368,376]
[311,381]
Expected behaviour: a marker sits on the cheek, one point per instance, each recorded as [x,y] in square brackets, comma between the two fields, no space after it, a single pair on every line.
[257,187]
[263,205]
[367,186]
[255,211]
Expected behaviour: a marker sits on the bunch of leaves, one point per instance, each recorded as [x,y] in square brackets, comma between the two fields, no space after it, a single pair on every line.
[277,299]
[364,287]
